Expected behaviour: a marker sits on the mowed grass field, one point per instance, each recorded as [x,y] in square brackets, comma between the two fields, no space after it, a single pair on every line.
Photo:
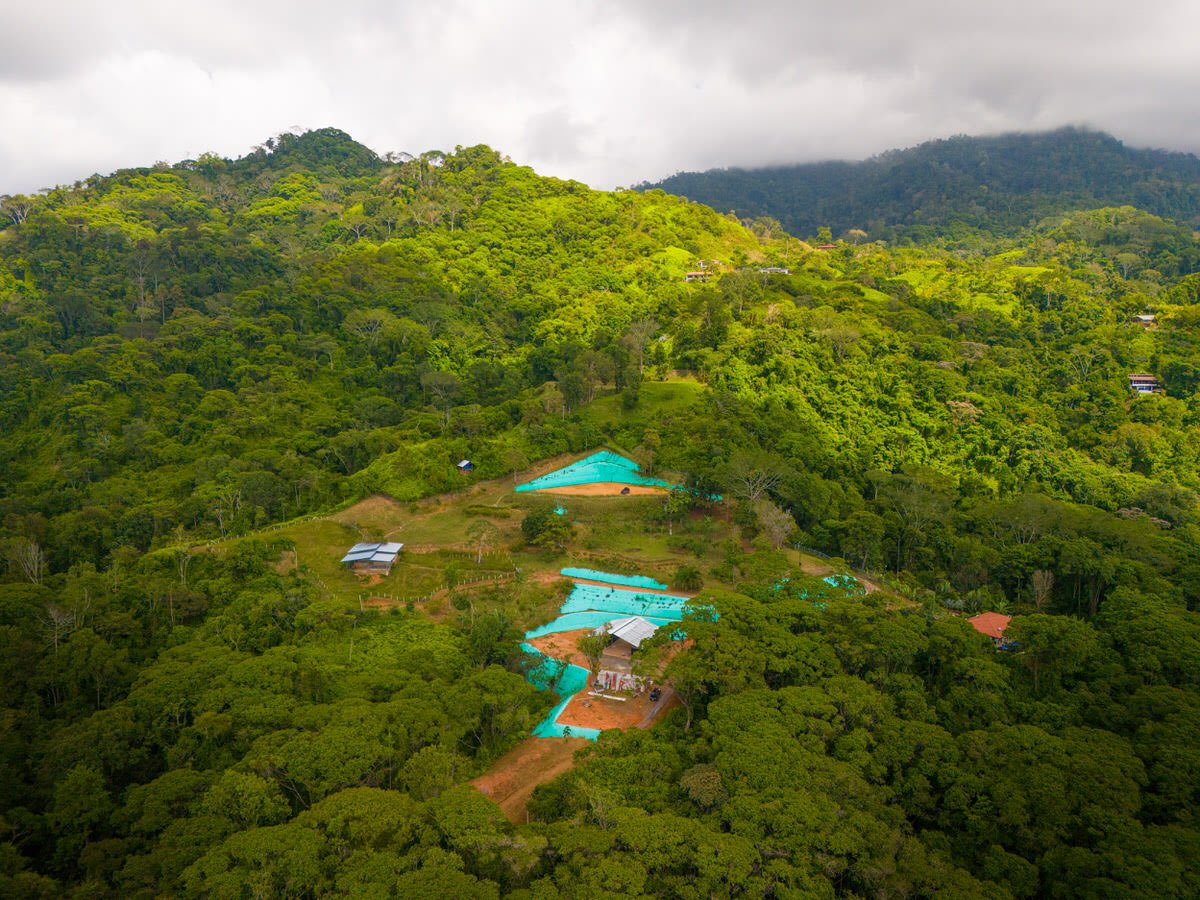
[656,399]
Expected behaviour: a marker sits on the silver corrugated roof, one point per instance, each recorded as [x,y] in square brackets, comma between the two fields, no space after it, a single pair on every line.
[376,552]
[632,631]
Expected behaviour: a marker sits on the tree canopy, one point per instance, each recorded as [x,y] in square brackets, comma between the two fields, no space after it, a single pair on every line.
[202,365]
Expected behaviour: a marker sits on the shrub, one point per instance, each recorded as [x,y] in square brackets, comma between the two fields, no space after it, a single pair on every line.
[687,578]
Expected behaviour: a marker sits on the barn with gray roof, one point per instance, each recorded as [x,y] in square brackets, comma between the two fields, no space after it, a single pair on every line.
[372,559]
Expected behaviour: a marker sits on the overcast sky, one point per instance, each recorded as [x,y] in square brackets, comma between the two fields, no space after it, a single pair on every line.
[610,93]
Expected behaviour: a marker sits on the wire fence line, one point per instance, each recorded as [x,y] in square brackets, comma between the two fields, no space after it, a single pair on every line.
[465,550]
[364,598]
[635,562]
[812,551]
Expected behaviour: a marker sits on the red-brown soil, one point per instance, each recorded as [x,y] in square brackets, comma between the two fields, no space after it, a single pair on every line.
[511,781]
[639,711]
[534,761]
[563,645]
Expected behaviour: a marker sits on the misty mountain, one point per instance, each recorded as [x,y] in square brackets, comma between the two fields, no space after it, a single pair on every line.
[998,184]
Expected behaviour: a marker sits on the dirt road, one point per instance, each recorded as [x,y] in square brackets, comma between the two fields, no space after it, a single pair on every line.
[534,761]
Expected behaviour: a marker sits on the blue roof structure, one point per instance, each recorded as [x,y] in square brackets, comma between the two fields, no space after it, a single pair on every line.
[384,553]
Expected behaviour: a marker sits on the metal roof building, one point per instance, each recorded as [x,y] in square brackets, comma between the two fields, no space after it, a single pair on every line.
[632,631]
[377,557]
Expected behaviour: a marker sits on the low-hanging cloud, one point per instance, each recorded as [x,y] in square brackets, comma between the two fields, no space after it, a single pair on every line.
[609,93]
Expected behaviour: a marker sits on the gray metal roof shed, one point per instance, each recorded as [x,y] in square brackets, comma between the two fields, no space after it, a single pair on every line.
[374,553]
[632,630]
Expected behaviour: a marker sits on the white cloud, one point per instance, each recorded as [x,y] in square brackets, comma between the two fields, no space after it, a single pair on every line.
[605,92]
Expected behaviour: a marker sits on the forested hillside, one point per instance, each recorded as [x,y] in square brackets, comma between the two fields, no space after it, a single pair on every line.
[949,188]
[203,365]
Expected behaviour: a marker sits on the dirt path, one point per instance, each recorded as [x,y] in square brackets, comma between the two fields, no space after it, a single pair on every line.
[510,782]
[666,701]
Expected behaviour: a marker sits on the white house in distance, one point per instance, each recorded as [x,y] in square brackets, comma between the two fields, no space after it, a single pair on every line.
[372,559]
[616,664]
[1143,383]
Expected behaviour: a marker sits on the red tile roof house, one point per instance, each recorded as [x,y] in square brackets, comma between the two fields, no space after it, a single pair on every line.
[991,624]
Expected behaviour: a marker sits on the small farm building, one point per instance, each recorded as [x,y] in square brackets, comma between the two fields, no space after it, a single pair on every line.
[466,466]
[372,559]
[625,636]
[627,633]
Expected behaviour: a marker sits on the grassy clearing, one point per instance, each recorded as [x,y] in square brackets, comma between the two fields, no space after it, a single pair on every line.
[655,400]
[439,574]
[612,533]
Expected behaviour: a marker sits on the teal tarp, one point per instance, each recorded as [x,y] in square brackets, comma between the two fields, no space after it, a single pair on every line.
[602,466]
[637,581]
[572,680]
[586,619]
[846,582]
[623,602]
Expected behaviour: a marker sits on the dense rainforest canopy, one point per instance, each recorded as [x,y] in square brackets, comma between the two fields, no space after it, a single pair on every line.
[194,354]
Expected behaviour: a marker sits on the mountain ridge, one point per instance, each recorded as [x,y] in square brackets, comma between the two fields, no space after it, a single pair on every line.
[1002,184]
